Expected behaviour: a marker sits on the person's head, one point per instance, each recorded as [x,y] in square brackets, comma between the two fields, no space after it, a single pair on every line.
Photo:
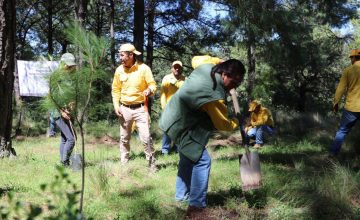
[354,55]
[127,54]
[68,59]
[176,68]
[254,106]
[232,73]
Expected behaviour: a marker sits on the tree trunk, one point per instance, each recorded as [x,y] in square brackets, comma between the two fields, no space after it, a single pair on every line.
[80,15]
[7,66]
[18,102]
[150,29]
[50,27]
[301,106]
[112,35]
[139,21]
[251,64]
[80,10]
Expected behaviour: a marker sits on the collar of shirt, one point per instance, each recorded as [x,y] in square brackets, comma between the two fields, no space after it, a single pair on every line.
[133,68]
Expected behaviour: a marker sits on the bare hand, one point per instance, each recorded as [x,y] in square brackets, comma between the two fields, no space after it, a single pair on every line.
[65,114]
[147,92]
[118,112]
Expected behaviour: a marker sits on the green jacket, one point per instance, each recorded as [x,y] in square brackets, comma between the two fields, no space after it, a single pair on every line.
[183,120]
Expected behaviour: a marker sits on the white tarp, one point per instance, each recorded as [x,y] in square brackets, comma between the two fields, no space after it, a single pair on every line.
[32,81]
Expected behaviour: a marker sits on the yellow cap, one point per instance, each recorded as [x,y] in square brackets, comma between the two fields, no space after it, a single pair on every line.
[129,48]
[355,52]
[253,105]
[177,62]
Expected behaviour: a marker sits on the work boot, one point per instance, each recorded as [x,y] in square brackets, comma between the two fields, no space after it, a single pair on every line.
[198,213]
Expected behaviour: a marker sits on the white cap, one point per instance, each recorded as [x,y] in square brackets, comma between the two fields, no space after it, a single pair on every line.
[177,62]
[68,59]
[129,48]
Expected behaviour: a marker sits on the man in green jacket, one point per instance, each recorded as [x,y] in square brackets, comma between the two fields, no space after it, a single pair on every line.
[350,86]
[189,119]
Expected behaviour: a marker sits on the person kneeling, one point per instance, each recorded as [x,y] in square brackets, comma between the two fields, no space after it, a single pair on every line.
[261,122]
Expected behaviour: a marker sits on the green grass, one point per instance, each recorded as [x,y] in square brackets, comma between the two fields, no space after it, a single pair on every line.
[299,182]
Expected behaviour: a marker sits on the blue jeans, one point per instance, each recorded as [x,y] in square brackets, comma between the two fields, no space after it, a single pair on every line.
[348,120]
[258,133]
[192,180]
[67,141]
[166,144]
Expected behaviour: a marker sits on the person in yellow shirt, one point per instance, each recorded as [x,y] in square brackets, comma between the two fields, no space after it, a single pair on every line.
[261,122]
[133,82]
[349,86]
[169,85]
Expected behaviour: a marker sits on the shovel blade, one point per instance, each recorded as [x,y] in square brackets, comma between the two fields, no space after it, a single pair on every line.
[76,162]
[250,171]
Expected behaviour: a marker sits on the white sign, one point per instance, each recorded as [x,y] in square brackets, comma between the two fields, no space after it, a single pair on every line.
[32,77]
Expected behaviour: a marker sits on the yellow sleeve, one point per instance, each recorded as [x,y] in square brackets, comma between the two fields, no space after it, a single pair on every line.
[149,78]
[261,119]
[341,88]
[199,60]
[217,111]
[115,90]
[163,93]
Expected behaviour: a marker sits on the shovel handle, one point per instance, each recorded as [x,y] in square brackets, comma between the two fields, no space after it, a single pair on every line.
[235,101]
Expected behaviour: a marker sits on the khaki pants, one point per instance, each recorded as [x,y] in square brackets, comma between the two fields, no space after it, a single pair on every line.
[141,118]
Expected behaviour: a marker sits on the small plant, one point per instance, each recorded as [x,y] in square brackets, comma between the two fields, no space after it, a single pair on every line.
[62,202]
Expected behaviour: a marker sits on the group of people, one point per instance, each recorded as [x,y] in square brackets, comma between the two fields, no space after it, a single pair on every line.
[192,108]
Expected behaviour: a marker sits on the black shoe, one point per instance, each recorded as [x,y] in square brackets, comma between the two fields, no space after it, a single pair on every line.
[65,163]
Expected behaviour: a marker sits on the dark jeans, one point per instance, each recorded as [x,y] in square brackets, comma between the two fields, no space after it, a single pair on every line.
[67,141]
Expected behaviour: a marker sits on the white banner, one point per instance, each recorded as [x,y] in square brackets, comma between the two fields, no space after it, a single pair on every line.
[32,81]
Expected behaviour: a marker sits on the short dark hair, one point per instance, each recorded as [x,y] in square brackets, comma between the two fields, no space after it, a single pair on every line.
[232,67]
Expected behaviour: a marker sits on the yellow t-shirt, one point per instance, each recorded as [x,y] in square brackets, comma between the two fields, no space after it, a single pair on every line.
[169,86]
[130,83]
[350,85]
[263,117]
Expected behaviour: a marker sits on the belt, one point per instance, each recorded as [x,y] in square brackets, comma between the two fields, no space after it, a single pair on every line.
[133,106]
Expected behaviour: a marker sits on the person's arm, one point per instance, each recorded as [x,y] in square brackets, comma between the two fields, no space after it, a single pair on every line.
[261,118]
[149,78]
[340,90]
[115,93]
[217,111]
[163,93]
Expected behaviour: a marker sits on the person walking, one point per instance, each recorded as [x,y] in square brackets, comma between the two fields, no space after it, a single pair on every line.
[189,118]
[261,122]
[169,85]
[132,84]
[349,86]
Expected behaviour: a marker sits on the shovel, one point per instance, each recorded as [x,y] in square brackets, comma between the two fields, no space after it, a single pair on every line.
[75,159]
[152,164]
[250,171]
